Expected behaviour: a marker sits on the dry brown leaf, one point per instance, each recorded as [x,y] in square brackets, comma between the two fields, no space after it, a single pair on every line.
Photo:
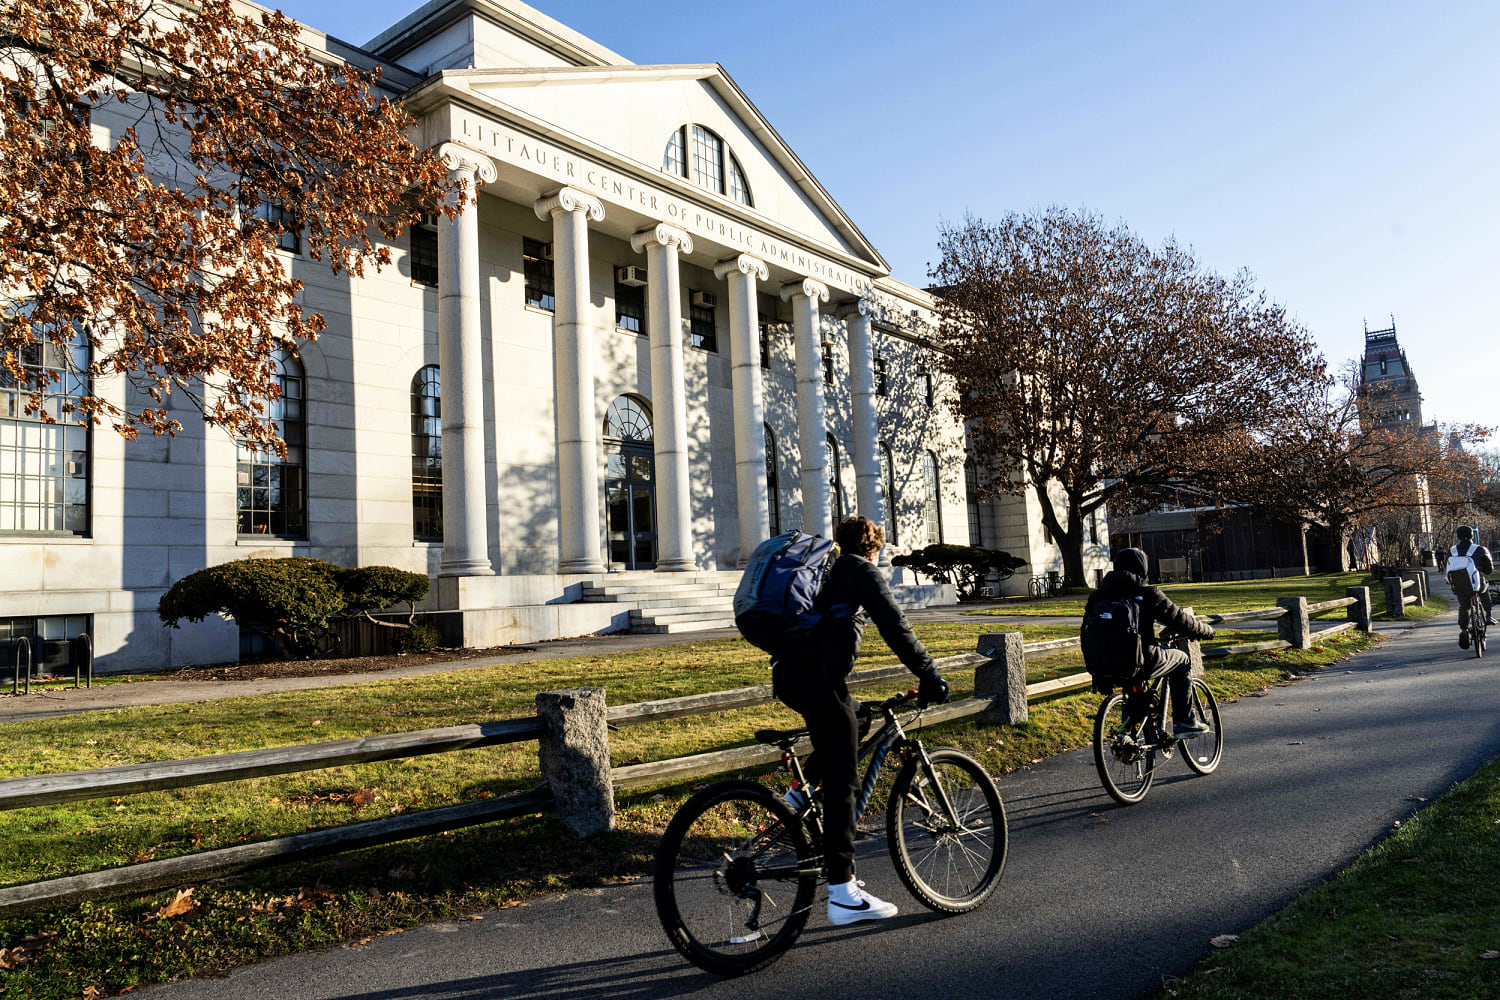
[363,797]
[182,905]
[1223,940]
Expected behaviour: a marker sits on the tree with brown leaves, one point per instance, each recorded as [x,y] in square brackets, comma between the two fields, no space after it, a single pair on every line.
[155,155]
[1090,367]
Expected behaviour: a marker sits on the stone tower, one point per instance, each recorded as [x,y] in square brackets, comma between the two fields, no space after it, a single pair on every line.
[1385,376]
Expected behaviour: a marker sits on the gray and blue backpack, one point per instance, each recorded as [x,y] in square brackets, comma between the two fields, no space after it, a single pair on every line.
[775,604]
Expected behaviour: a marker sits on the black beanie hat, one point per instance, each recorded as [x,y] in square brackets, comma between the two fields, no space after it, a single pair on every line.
[1131,561]
[1464,533]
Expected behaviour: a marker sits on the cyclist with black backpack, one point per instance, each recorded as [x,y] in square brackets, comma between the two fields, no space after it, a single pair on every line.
[1119,636]
[810,679]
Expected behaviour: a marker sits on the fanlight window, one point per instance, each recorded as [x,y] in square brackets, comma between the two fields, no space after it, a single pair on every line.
[628,420]
[710,163]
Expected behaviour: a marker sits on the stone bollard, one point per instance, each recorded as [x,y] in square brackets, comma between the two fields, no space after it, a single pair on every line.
[574,755]
[1418,577]
[1360,612]
[1294,626]
[1395,606]
[1002,679]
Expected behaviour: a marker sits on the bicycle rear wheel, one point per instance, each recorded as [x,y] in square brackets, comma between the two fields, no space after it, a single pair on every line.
[950,864]
[735,878]
[1202,753]
[1126,762]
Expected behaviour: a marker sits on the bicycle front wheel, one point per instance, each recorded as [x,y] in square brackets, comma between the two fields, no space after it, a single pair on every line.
[735,878]
[1202,753]
[951,861]
[1126,763]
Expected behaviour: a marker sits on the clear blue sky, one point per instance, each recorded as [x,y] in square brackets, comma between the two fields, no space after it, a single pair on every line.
[1344,152]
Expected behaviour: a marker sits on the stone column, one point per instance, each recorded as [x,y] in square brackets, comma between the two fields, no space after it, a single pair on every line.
[574,757]
[749,405]
[1002,679]
[573,357]
[674,512]
[466,550]
[812,427]
[869,490]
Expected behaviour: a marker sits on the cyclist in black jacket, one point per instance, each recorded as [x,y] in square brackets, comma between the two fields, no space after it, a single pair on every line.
[812,682]
[1128,579]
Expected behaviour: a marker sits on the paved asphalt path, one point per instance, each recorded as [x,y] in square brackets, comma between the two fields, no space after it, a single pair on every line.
[1097,900]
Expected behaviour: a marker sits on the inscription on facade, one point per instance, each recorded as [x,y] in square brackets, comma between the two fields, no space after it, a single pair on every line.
[519,150]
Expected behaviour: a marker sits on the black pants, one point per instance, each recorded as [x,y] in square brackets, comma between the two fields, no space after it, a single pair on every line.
[833,725]
[1463,608]
[1176,666]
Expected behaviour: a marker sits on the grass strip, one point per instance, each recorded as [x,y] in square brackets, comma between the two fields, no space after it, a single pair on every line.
[1417,916]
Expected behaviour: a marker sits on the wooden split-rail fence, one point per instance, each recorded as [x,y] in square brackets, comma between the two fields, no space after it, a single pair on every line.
[571,728]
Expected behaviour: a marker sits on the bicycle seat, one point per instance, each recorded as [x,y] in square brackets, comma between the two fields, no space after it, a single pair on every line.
[783,738]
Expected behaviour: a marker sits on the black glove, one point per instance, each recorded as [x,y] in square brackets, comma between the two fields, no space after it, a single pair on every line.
[931,690]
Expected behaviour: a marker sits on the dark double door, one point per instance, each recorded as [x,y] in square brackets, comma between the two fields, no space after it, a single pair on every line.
[630,506]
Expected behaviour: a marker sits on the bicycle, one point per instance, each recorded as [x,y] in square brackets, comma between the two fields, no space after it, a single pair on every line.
[1048,586]
[1478,627]
[1133,727]
[738,867]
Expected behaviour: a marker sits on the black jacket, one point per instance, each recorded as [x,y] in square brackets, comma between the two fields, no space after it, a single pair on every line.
[856,592]
[1155,607]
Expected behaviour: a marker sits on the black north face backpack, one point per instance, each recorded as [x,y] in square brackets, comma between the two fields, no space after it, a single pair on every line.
[1111,635]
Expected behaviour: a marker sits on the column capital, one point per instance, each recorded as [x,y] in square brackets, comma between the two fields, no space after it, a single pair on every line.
[569,200]
[853,307]
[456,157]
[664,235]
[810,287]
[745,264]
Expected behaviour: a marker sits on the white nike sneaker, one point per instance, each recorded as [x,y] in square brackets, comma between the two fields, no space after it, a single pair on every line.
[850,904]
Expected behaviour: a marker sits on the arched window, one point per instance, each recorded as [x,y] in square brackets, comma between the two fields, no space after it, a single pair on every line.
[710,164]
[272,491]
[628,419]
[427,454]
[44,467]
[888,482]
[932,510]
[971,492]
[773,484]
[835,480]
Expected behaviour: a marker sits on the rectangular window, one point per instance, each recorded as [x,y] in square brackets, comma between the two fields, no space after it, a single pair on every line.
[924,387]
[703,333]
[44,467]
[630,307]
[284,222]
[828,364]
[882,378]
[50,638]
[424,251]
[536,261]
[271,492]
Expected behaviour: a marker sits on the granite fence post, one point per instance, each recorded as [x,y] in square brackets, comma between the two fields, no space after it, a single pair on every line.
[1395,606]
[574,755]
[1360,612]
[1002,679]
[1294,627]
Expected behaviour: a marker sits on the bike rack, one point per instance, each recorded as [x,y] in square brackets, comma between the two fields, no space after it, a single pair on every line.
[86,660]
[22,642]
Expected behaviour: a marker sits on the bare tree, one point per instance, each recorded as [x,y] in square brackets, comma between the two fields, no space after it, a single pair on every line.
[1091,367]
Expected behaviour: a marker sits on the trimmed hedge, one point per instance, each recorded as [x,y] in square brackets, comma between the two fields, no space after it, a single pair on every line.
[293,601]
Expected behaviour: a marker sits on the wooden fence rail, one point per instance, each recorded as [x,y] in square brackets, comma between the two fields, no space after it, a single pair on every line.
[568,723]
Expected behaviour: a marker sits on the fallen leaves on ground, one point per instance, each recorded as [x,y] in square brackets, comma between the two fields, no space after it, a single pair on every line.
[1223,940]
[182,905]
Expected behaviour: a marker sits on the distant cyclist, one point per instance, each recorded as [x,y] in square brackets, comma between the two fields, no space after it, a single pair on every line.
[1128,579]
[1469,569]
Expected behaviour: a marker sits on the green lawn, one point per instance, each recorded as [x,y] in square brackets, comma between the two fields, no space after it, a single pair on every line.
[121,943]
[1418,916]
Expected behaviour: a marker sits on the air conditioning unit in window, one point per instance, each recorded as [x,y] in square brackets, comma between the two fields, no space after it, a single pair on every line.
[75,468]
[633,275]
[546,251]
[705,300]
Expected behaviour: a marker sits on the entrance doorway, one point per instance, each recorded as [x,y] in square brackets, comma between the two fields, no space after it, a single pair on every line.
[630,484]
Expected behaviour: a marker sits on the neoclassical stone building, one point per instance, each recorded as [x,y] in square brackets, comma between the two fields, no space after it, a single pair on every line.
[653,342]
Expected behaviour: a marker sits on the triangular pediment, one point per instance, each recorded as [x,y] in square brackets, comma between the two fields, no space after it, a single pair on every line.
[632,111]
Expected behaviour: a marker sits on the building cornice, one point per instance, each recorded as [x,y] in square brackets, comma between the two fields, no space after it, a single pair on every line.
[518,18]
